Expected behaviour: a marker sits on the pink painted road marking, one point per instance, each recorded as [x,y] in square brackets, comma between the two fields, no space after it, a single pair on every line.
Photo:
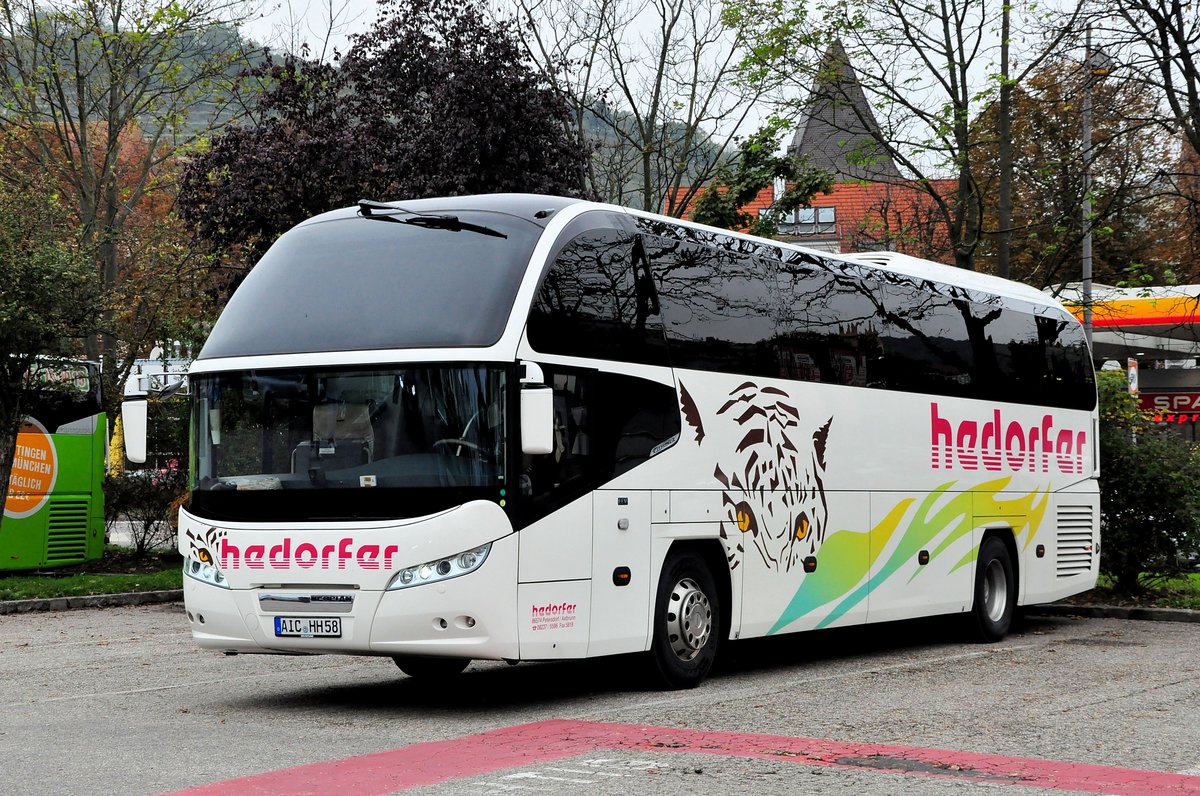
[534,744]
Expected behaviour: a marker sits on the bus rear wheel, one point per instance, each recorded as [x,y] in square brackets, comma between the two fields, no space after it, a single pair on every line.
[687,622]
[431,668]
[995,591]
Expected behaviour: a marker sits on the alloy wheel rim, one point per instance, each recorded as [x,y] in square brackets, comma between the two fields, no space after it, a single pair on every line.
[995,591]
[689,619]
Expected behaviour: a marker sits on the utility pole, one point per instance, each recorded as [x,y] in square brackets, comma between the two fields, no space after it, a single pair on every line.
[1004,211]
[1086,248]
[1095,64]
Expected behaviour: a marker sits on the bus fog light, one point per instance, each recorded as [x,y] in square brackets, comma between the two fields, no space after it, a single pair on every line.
[440,569]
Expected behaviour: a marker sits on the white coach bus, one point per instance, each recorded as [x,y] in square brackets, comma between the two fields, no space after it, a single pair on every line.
[519,427]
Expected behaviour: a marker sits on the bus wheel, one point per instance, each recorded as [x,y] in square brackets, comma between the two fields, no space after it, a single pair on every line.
[687,622]
[431,668]
[995,591]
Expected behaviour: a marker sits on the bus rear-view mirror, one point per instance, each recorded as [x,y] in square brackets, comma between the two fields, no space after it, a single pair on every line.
[133,427]
[537,411]
[537,419]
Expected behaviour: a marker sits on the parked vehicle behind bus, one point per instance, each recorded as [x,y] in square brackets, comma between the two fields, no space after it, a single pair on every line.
[526,428]
[54,507]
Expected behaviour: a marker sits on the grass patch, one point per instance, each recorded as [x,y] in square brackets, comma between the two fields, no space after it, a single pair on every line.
[117,572]
[1158,592]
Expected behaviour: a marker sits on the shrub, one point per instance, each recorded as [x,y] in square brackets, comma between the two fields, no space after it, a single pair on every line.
[1149,492]
[146,499]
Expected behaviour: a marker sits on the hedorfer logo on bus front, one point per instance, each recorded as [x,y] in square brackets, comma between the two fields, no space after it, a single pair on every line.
[995,443]
[305,554]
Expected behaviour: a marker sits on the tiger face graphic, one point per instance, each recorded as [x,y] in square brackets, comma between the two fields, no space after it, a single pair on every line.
[203,547]
[773,482]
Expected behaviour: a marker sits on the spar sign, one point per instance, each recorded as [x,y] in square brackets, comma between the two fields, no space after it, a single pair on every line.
[34,470]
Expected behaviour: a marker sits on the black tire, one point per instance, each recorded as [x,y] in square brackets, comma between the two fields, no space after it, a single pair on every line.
[687,622]
[431,668]
[995,591]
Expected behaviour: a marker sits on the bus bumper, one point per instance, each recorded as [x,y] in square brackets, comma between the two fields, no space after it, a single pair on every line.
[472,616]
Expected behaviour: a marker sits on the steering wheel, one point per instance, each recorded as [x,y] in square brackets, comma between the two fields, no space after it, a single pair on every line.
[463,443]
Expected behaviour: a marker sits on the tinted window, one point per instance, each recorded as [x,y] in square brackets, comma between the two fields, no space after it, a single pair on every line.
[598,300]
[721,307]
[741,306]
[1067,378]
[830,328]
[356,283]
[926,347]
[605,424]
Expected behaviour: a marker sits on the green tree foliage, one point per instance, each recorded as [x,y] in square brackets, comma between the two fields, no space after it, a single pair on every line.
[433,100]
[49,300]
[1133,225]
[100,95]
[1149,504]
[293,157]
[756,167]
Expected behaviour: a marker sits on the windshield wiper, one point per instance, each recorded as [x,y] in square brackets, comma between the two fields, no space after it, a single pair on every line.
[385,212]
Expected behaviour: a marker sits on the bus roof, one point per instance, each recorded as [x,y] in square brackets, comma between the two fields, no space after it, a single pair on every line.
[540,208]
[333,284]
[537,208]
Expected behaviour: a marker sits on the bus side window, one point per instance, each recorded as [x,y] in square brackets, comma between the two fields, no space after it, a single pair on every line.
[598,301]
[563,475]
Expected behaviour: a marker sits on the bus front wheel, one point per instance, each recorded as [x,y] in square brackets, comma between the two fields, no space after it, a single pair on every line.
[687,622]
[431,668]
[995,591]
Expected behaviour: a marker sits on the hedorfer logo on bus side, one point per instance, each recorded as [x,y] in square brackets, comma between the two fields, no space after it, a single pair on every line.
[996,443]
[555,616]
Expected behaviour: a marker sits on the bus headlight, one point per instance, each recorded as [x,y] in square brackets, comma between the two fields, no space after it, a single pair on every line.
[441,569]
[204,572]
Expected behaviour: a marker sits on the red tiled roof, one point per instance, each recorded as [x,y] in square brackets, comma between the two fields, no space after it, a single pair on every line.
[873,215]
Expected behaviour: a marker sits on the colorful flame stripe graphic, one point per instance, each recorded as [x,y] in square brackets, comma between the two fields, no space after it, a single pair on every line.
[847,558]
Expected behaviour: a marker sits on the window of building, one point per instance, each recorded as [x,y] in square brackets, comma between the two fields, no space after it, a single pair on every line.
[816,221]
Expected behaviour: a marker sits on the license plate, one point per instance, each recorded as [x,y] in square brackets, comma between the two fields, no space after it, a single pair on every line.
[308,627]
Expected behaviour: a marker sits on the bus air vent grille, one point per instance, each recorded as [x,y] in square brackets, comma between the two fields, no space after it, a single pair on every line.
[1074,549]
[67,537]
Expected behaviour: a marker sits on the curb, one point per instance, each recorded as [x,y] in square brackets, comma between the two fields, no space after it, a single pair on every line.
[1115,612]
[91,601]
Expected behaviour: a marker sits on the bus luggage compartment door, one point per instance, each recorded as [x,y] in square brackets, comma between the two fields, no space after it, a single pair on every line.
[621,577]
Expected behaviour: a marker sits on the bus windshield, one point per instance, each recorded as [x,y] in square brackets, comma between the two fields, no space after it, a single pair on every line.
[62,393]
[354,284]
[306,432]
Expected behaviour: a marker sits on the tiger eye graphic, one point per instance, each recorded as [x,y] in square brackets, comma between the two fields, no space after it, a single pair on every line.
[802,526]
[204,556]
[746,521]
